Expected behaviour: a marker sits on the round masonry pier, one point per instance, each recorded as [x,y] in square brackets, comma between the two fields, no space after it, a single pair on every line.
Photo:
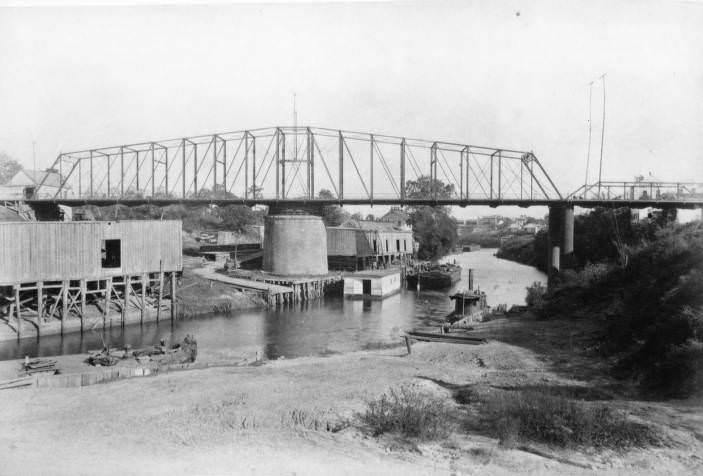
[294,245]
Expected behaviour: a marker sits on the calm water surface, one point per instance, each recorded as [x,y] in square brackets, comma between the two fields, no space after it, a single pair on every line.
[329,326]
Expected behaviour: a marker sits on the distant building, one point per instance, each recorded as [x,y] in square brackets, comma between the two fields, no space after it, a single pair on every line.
[490,222]
[533,228]
[361,244]
[25,184]
[397,216]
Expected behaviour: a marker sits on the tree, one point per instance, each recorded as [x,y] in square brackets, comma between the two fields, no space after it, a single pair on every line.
[357,216]
[8,168]
[332,215]
[370,217]
[434,228]
[239,217]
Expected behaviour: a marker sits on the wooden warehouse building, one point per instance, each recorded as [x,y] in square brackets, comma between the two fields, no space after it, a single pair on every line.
[358,244]
[54,270]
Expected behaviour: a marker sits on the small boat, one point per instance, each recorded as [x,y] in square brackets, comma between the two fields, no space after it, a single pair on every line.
[436,277]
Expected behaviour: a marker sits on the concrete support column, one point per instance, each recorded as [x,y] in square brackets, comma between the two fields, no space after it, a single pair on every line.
[560,240]
[567,238]
[554,233]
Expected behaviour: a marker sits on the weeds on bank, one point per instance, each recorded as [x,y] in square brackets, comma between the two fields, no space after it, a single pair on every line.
[536,416]
[408,413]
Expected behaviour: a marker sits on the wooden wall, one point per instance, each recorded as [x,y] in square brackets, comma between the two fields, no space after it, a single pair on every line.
[357,242]
[55,251]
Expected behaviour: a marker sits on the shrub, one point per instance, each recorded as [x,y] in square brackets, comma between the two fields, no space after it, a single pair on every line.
[679,374]
[535,294]
[409,413]
[536,415]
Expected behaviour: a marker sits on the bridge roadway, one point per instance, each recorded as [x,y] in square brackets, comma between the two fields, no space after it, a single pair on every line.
[692,203]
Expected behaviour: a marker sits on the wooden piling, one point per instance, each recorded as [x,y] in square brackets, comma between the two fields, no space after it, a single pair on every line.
[125,297]
[161,294]
[40,306]
[64,304]
[17,310]
[144,280]
[108,293]
[173,295]
[83,291]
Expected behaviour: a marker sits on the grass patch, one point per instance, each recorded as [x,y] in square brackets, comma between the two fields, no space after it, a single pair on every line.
[408,413]
[538,416]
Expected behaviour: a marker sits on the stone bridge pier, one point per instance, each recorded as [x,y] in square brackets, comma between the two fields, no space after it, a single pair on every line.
[560,240]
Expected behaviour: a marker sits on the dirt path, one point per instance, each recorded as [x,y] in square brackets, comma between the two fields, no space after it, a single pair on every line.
[298,417]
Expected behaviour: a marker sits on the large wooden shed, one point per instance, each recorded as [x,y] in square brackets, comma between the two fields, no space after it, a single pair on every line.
[54,251]
[57,270]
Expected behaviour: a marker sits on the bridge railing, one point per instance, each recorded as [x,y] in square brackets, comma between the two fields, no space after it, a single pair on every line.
[280,163]
[642,190]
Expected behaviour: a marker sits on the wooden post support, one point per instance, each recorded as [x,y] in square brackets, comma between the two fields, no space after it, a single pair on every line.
[161,295]
[64,304]
[108,293]
[40,306]
[84,291]
[145,281]
[407,344]
[173,295]
[17,310]
[125,299]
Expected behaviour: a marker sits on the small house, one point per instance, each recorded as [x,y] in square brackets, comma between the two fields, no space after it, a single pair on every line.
[377,284]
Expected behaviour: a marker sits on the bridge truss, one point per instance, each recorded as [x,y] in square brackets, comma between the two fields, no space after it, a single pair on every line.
[682,193]
[293,164]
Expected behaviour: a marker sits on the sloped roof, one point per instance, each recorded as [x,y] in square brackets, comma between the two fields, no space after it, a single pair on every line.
[372,225]
[53,179]
[396,215]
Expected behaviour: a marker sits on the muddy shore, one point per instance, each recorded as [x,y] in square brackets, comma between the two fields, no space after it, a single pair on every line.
[276,417]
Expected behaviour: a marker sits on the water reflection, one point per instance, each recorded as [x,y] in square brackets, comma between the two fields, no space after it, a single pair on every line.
[316,328]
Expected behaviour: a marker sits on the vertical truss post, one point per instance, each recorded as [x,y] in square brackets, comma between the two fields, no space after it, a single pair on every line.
[224,168]
[341,166]
[532,176]
[195,169]
[402,169]
[500,172]
[153,172]
[253,165]
[214,164]
[166,170]
[91,174]
[468,170]
[433,169]
[137,161]
[122,172]
[246,164]
[522,166]
[183,167]
[371,169]
[461,174]
[278,161]
[80,177]
[108,175]
[283,166]
[311,144]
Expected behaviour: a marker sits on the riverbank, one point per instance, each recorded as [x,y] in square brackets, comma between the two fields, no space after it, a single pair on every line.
[300,416]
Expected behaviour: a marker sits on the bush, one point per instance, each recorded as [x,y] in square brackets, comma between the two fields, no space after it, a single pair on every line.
[679,374]
[535,415]
[535,295]
[409,413]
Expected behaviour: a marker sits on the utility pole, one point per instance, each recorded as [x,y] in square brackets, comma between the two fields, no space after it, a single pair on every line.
[602,137]
[588,153]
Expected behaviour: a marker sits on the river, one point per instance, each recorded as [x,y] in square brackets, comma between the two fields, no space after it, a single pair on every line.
[331,325]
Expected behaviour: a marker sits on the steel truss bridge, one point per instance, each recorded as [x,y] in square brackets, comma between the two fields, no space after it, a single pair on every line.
[290,165]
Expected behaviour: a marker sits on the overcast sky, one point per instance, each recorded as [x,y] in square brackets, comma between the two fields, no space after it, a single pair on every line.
[506,74]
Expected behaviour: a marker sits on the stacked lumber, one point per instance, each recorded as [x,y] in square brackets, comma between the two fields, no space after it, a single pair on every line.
[35,366]
[17,382]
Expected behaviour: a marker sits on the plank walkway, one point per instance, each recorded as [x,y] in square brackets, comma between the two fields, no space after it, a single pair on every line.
[209,273]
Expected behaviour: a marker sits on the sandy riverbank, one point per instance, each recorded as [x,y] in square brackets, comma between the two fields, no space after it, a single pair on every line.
[274,418]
